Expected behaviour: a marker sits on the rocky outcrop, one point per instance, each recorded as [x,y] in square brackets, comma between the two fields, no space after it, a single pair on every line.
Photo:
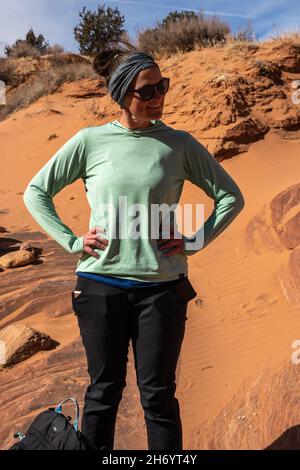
[252,95]
[285,213]
[278,229]
[19,342]
[239,108]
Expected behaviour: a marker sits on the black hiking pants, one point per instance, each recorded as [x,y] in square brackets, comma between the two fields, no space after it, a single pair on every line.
[153,318]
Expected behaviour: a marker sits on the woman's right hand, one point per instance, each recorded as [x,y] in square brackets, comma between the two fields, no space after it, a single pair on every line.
[93,239]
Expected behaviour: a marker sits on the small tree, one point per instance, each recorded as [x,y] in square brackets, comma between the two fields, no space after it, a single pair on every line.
[97,29]
[37,41]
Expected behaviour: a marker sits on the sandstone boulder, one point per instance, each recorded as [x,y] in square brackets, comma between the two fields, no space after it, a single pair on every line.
[17,258]
[19,342]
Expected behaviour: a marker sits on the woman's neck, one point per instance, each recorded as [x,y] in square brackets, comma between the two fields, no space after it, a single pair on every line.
[133,124]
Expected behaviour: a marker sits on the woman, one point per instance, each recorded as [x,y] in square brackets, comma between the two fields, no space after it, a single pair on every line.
[129,287]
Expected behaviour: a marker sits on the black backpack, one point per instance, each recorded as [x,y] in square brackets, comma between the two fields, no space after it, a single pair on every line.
[51,430]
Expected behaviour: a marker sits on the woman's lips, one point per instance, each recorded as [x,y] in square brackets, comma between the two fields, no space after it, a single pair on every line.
[154,107]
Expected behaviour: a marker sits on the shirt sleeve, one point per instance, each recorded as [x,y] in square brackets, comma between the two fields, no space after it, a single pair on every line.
[65,166]
[204,171]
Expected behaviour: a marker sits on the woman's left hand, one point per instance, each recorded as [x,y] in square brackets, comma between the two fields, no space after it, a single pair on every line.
[171,245]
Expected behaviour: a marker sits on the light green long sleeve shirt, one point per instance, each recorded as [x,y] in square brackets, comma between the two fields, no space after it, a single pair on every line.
[144,166]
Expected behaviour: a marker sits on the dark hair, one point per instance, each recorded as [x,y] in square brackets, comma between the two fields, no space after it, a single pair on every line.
[107,60]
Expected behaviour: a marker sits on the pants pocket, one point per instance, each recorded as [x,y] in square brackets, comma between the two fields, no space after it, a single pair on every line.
[184,290]
[79,293]
[76,293]
[78,299]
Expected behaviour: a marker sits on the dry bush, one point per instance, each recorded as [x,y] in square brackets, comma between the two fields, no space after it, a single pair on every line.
[183,36]
[240,47]
[8,72]
[67,58]
[44,83]
[245,34]
[287,39]
[71,72]
[23,49]
[55,49]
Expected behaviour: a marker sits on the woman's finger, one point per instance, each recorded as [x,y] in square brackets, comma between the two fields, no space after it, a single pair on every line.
[173,250]
[101,243]
[95,239]
[100,238]
[173,246]
[169,243]
[90,251]
[91,241]
[163,246]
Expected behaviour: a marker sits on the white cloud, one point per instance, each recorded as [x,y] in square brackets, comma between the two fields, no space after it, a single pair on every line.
[173,7]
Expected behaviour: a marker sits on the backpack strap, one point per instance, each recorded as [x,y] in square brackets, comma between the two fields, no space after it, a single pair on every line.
[58,409]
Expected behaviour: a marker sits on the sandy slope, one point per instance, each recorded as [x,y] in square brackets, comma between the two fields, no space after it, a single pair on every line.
[236,357]
[246,321]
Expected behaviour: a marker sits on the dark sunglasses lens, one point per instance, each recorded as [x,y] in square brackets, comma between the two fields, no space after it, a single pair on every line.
[163,86]
[147,91]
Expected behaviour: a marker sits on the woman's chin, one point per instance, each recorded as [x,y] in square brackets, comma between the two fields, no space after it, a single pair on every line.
[155,112]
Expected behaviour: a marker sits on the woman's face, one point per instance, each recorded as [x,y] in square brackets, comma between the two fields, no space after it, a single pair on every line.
[142,111]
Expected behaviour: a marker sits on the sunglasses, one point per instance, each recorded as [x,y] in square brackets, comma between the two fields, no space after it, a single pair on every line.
[146,92]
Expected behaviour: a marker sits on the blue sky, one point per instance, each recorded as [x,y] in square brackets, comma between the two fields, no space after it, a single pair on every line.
[56,19]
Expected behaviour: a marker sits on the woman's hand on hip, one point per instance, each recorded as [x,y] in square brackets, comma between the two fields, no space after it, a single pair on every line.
[93,239]
[170,246]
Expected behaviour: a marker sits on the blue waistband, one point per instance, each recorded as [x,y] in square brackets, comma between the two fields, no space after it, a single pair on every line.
[125,283]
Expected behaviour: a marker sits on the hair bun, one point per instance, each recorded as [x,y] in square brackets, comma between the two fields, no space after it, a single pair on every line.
[103,59]
[110,56]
